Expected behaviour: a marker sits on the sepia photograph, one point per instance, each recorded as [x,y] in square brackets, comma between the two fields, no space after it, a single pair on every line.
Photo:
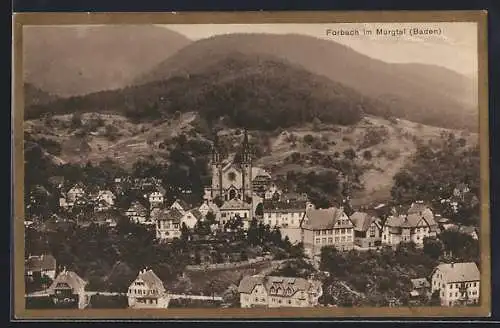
[262,168]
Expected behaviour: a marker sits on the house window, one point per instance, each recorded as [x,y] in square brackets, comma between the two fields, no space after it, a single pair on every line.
[336,239]
[324,240]
[330,240]
[318,240]
[323,232]
[342,231]
[317,233]
[343,238]
[337,231]
[474,284]
[330,232]
[372,231]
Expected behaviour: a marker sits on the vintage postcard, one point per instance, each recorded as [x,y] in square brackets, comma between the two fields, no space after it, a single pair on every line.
[251,165]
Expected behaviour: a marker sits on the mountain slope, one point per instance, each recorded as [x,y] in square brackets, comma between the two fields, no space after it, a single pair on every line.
[259,92]
[75,60]
[35,96]
[423,93]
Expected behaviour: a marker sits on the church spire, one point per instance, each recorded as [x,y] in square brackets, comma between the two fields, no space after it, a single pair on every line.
[215,149]
[247,157]
[245,138]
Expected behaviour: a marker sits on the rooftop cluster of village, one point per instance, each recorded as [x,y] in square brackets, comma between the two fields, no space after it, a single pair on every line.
[240,196]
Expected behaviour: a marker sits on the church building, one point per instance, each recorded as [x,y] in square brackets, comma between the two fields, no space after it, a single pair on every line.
[233,180]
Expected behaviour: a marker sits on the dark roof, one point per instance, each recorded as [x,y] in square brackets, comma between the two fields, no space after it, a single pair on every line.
[420,283]
[67,279]
[262,178]
[138,208]
[185,206]
[42,262]
[293,196]
[318,219]
[410,221]
[279,286]
[167,215]
[417,207]
[105,216]
[280,206]
[459,272]
[362,221]
[197,214]
[235,204]
[151,280]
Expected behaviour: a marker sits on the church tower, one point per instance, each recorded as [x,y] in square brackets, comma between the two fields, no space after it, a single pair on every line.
[216,169]
[246,168]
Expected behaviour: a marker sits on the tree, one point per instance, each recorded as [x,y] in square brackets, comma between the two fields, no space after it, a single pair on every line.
[433,247]
[76,121]
[308,139]
[259,210]
[197,258]
[185,234]
[218,201]
[253,233]
[316,123]
[210,218]
[435,299]
[243,256]
[349,154]
[202,228]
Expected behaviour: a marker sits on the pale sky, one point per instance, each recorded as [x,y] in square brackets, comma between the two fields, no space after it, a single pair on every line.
[455,48]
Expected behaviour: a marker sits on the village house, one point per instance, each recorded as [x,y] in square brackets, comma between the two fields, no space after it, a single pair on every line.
[456,283]
[190,218]
[326,227]
[367,230]
[168,223]
[137,213]
[68,289]
[147,291]
[420,288]
[261,183]
[283,214]
[273,291]
[76,192]
[413,227]
[105,200]
[156,198]
[106,218]
[39,266]
[57,182]
[273,192]
[233,208]
[180,205]
[210,207]
[461,190]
